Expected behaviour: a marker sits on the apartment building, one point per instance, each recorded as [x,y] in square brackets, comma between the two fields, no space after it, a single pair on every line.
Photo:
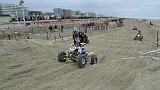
[67,13]
[14,10]
[100,15]
[90,14]
[58,12]
[76,14]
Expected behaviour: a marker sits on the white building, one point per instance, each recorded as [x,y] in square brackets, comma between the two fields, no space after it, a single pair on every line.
[68,12]
[76,13]
[100,15]
[5,19]
[90,14]
[14,10]
[58,12]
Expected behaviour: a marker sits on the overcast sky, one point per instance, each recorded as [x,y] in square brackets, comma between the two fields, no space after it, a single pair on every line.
[121,8]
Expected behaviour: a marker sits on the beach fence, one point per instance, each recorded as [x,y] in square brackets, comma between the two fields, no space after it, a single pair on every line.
[153,27]
[157,38]
[34,32]
[157,35]
[157,29]
[42,31]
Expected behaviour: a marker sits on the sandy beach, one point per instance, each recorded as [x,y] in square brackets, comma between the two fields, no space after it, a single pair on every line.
[123,63]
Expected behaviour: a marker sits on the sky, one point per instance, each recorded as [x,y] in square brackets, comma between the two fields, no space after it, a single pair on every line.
[119,8]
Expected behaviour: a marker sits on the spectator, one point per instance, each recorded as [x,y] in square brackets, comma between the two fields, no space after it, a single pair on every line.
[51,29]
[55,28]
[151,23]
[62,28]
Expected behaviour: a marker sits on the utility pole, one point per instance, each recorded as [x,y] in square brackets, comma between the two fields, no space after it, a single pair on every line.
[22,4]
[17,15]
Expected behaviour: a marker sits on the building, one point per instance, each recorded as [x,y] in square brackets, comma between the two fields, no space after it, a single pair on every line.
[68,13]
[15,11]
[76,14]
[100,15]
[82,15]
[90,14]
[48,15]
[35,15]
[5,19]
[63,13]
[58,12]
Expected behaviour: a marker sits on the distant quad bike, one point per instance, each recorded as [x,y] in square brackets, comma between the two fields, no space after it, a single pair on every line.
[78,54]
[135,28]
[138,37]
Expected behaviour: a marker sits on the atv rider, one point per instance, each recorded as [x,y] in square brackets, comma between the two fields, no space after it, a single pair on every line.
[76,36]
[139,33]
[77,40]
[79,37]
[139,36]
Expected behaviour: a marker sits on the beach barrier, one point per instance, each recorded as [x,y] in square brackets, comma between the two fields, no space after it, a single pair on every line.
[41,31]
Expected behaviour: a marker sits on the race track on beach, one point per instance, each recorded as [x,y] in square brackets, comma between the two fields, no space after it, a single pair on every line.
[33,65]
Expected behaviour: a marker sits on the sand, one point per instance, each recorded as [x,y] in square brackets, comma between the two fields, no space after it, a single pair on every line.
[122,65]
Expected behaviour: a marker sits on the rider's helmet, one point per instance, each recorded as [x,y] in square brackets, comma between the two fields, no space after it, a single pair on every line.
[75,29]
[139,31]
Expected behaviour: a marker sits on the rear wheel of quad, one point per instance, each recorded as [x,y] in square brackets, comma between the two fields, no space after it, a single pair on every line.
[94,59]
[82,61]
[140,39]
[62,57]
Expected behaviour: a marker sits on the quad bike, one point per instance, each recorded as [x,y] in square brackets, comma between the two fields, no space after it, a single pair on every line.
[138,37]
[135,28]
[78,54]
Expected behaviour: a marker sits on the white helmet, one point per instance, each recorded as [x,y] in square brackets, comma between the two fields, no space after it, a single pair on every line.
[75,29]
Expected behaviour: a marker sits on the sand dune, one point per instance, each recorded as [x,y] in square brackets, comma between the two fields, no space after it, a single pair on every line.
[33,64]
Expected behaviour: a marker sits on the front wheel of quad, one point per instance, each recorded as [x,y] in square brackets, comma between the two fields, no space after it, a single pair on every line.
[81,61]
[94,59]
[140,38]
[62,56]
